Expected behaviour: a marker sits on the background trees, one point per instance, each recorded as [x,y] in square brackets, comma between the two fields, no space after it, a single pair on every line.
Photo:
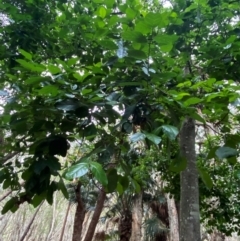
[120,78]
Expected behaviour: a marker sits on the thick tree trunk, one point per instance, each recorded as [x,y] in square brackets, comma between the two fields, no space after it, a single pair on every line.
[96,216]
[125,225]
[79,215]
[189,201]
[173,219]
[64,222]
[137,218]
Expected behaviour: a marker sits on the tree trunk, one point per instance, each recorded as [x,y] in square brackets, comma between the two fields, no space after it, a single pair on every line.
[173,219]
[79,215]
[189,201]
[30,223]
[64,222]
[137,218]
[125,225]
[96,215]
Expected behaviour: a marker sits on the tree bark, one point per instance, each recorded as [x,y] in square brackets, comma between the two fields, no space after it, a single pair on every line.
[125,225]
[64,222]
[189,201]
[96,215]
[79,215]
[137,218]
[173,219]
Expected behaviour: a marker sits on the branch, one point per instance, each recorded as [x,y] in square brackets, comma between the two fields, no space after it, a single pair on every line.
[8,156]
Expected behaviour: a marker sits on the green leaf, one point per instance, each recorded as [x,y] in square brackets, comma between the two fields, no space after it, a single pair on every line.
[192,101]
[134,36]
[3,175]
[166,48]
[72,61]
[170,131]
[6,183]
[53,164]
[98,172]
[90,131]
[54,69]
[77,171]
[196,116]
[137,137]
[153,138]
[25,54]
[136,186]
[31,66]
[79,77]
[102,12]
[237,174]
[143,28]
[232,160]
[131,14]
[109,3]
[153,19]
[212,152]
[49,90]
[165,39]
[9,205]
[127,127]
[137,54]
[108,44]
[112,180]
[205,177]
[179,164]
[119,189]
[37,199]
[226,152]
[86,91]
[36,80]
[39,166]
[124,181]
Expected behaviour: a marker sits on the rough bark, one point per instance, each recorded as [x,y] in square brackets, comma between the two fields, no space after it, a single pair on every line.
[173,219]
[64,222]
[125,225]
[137,218]
[189,198]
[79,215]
[96,215]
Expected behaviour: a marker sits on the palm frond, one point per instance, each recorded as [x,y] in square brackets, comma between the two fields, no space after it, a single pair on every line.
[154,227]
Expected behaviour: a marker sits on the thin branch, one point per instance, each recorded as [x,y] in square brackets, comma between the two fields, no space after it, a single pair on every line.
[8,156]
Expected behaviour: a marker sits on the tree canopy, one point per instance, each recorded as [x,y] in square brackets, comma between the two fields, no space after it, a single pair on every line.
[113,75]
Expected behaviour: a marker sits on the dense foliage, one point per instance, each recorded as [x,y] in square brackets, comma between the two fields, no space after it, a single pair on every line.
[119,76]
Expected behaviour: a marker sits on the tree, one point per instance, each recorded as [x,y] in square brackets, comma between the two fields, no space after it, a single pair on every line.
[189,201]
[121,77]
